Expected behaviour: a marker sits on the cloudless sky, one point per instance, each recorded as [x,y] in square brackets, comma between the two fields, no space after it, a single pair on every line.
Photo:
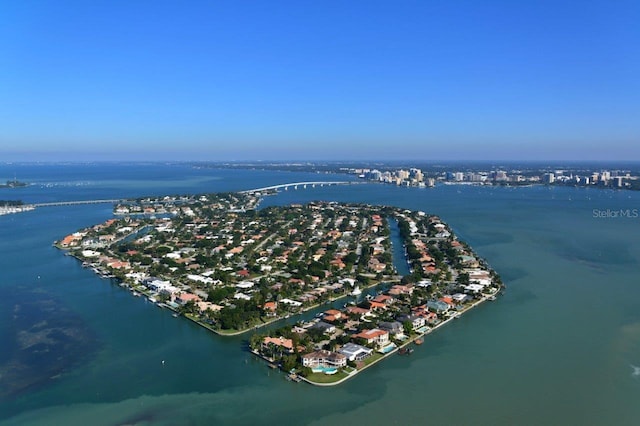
[248,80]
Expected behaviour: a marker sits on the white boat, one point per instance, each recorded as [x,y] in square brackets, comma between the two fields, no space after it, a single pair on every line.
[356,291]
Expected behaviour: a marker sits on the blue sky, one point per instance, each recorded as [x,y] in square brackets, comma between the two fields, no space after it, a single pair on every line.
[248,80]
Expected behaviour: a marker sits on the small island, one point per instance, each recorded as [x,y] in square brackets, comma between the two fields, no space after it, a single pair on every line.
[13,184]
[232,268]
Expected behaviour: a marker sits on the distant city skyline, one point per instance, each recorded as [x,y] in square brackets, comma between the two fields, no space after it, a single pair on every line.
[251,80]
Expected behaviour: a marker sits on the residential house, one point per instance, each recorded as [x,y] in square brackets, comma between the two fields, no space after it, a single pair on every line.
[416,321]
[384,298]
[332,315]
[355,352]
[325,327]
[394,328]
[185,298]
[324,358]
[285,344]
[375,336]
[438,306]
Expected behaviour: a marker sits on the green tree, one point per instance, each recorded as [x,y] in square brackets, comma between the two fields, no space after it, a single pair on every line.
[408,327]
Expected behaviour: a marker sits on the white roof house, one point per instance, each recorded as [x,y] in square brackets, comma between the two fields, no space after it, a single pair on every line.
[474,288]
[242,296]
[355,352]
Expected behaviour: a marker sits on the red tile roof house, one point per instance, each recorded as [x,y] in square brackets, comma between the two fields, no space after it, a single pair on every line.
[184,298]
[336,314]
[377,305]
[117,264]
[286,344]
[377,336]
[397,290]
[324,359]
[356,310]
[448,300]
[384,298]
[271,306]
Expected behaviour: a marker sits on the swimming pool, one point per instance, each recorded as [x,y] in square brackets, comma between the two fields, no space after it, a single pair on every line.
[325,370]
[388,348]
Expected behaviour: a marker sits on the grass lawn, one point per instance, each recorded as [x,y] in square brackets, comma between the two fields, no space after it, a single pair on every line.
[326,378]
[374,357]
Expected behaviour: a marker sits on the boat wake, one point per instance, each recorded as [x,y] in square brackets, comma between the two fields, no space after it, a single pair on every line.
[636,371]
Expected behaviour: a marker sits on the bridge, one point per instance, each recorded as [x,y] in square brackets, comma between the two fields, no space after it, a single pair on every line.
[295,185]
[284,186]
[75,203]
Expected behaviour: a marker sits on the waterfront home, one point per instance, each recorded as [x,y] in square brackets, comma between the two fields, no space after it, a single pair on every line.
[324,359]
[398,289]
[374,336]
[416,321]
[185,298]
[479,276]
[384,298]
[118,264]
[460,297]
[356,310]
[355,352]
[208,306]
[474,288]
[161,286]
[90,253]
[394,328]
[290,302]
[332,315]
[326,328]
[282,343]
[72,240]
[270,307]
[438,306]
[429,317]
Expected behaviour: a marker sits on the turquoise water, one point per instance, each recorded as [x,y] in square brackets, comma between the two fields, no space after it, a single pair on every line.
[557,348]
[325,370]
[388,348]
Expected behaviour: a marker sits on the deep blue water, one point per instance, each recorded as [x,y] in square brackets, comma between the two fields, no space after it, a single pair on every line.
[557,348]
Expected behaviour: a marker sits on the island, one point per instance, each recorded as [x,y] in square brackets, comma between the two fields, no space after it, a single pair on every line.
[218,260]
[13,184]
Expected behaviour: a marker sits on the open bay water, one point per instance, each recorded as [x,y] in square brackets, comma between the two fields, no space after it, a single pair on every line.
[557,348]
